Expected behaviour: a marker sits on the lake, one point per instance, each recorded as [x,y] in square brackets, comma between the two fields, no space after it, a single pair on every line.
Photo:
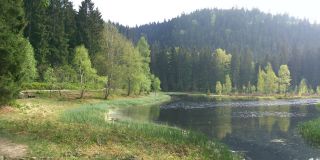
[262,130]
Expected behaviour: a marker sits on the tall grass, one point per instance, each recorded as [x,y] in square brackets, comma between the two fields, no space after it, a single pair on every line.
[86,126]
[130,132]
[311,131]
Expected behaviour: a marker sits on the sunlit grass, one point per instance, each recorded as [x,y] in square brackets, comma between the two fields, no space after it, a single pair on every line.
[82,131]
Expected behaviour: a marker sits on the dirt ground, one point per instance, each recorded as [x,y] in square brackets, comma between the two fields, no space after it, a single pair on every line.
[12,150]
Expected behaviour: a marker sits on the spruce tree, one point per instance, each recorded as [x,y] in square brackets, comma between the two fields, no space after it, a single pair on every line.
[16,52]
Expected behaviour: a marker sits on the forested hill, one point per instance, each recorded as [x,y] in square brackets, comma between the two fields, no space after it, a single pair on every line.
[234,30]
[251,36]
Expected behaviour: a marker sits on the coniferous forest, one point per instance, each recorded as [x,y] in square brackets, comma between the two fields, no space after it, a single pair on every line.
[65,49]
[246,51]
[76,86]
[183,49]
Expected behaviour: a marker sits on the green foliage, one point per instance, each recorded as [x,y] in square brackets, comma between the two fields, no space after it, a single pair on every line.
[284,78]
[29,66]
[155,85]
[17,61]
[144,50]
[65,73]
[132,69]
[109,60]
[49,86]
[260,83]
[222,62]
[12,16]
[89,27]
[253,38]
[49,76]
[270,80]
[123,64]
[218,88]
[145,77]
[82,64]
[228,85]
[311,131]
[303,88]
[253,89]
[318,90]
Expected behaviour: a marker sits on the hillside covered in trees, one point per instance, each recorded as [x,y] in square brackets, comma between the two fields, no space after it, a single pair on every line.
[182,49]
[46,44]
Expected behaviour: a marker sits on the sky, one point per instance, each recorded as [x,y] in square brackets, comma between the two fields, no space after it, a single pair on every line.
[138,12]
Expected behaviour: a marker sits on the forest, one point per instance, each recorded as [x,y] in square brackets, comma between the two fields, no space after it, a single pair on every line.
[211,84]
[50,45]
[184,49]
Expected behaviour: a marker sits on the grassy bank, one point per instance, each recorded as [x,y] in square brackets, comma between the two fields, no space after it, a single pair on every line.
[79,129]
[233,97]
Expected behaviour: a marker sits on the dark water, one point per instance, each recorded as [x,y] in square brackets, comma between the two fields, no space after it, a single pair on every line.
[262,130]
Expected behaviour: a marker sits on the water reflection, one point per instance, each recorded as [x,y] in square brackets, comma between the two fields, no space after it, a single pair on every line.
[262,132]
[140,113]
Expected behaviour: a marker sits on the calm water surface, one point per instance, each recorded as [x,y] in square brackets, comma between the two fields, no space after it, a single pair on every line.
[264,130]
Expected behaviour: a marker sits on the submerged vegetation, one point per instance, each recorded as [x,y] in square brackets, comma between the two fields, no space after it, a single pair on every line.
[311,131]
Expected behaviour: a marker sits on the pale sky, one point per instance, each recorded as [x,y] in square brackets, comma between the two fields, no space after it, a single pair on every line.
[138,12]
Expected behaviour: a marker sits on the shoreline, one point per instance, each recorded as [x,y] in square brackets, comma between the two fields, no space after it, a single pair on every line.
[79,129]
[233,97]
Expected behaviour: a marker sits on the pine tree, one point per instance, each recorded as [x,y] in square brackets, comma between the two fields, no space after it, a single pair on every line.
[16,52]
[37,32]
[90,26]
[58,43]
[235,70]
[246,68]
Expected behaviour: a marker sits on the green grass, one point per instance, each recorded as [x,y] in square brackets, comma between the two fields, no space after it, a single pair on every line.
[311,131]
[82,132]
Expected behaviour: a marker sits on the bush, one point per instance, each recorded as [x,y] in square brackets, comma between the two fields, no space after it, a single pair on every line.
[57,86]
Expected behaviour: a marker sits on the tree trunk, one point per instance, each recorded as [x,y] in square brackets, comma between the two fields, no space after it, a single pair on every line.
[129,87]
[107,93]
[108,88]
[140,90]
[82,92]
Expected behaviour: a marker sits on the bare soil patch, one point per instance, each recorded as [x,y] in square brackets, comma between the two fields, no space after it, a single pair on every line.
[12,150]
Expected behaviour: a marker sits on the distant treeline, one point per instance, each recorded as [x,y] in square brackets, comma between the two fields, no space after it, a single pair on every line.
[182,49]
